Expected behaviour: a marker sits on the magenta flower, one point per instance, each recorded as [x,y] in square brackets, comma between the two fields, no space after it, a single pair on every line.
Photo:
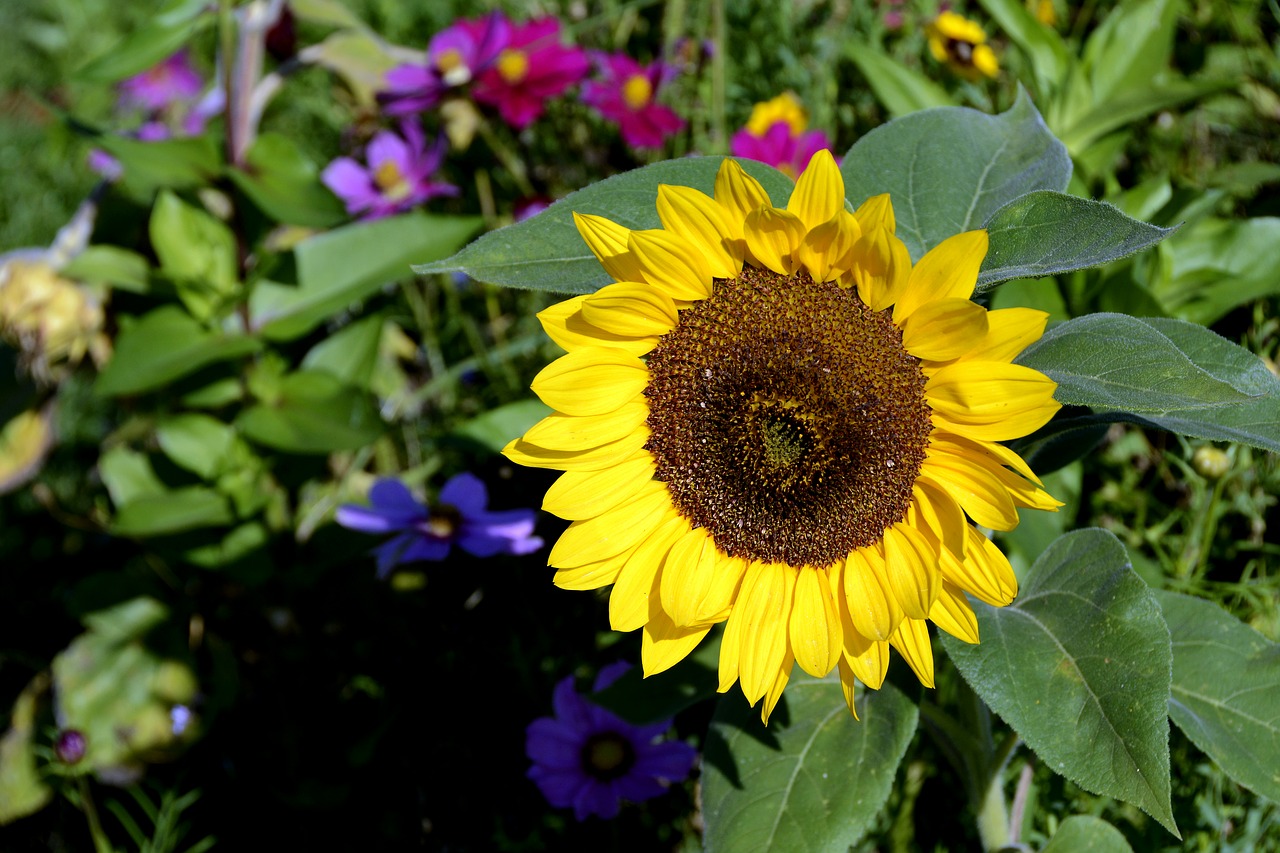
[779,147]
[626,95]
[533,68]
[397,175]
[169,82]
[460,517]
[591,759]
[455,56]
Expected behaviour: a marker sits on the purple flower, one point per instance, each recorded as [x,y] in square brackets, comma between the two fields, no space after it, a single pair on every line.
[533,68]
[779,147]
[455,56]
[169,82]
[588,758]
[626,94]
[427,533]
[397,177]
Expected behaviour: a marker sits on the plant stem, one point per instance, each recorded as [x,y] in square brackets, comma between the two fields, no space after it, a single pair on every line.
[100,842]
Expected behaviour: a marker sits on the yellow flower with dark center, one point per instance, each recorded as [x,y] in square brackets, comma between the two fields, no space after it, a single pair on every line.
[774,420]
[785,107]
[961,44]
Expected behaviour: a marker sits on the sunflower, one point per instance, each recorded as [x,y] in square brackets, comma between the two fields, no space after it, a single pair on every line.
[774,420]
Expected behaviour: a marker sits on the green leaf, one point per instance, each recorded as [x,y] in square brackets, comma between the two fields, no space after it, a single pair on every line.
[112,265]
[949,170]
[184,163]
[813,780]
[128,475]
[176,510]
[343,266]
[546,252]
[281,180]
[169,29]
[1080,667]
[359,57]
[196,442]
[900,89]
[1042,45]
[1087,834]
[330,12]
[1216,265]
[350,354]
[165,345]
[197,251]
[495,428]
[1044,233]
[1125,110]
[1167,374]
[1226,680]
[22,791]
[1130,48]
[314,413]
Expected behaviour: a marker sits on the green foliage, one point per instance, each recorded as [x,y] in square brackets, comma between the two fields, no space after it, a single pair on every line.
[1087,835]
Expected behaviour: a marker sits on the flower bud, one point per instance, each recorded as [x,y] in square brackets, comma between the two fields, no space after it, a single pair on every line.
[70,746]
[1210,462]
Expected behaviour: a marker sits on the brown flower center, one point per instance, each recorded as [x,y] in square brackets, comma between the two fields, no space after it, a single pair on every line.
[787,418]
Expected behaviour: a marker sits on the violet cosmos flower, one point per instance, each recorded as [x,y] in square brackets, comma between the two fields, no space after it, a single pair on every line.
[166,83]
[397,175]
[779,147]
[626,94]
[455,56]
[533,68]
[591,759]
[459,517]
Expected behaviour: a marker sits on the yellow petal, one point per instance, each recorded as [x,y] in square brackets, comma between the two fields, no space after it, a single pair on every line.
[763,605]
[932,508]
[992,454]
[827,250]
[880,268]
[984,572]
[848,681]
[574,432]
[671,264]
[775,692]
[948,270]
[991,400]
[869,662]
[912,642]
[701,221]
[531,455]
[944,329]
[564,324]
[819,191]
[1009,332]
[982,496]
[876,212]
[952,613]
[614,531]
[912,569]
[984,59]
[738,194]
[630,599]
[607,240]
[591,381]
[687,575]
[665,644]
[630,309]
[585,494]
[772,237]
[814,627]
[870,609]
[592,575]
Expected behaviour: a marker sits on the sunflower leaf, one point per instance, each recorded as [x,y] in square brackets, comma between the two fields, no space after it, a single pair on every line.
[1162,373]
[1226,677]
[545,252]
[1086,832]
[813,780]
[1044,233]
[950,169]
[1080,667]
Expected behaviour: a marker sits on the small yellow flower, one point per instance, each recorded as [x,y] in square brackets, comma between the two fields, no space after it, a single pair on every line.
[52,320]
[1044,11]
[786,107]
[774,420]
[961,44]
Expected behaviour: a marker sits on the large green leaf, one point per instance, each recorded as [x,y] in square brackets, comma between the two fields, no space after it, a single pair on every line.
[165,345]
[1215,265]
[1042,45]
[1087,834]
[197,251]
[183,163]
[495,428]
[813,780]
[314,412]
[1044,233]
[1226,690]
[279,177]
[22,790]
[1124,110]
[348,264]
[349,354]
[950,169]
[197,442]
[1169,374]
[902,90]
[174,511]
[547,253]
[1080,667]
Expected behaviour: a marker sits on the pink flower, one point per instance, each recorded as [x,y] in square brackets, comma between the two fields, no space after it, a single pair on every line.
[397,175]
[626,95]
[455,56]
[166,83]
[533,68]
[787,152]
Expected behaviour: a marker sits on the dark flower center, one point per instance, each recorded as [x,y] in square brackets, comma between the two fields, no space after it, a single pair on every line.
[960,51]
[607,756]
[442,522]
[787,418]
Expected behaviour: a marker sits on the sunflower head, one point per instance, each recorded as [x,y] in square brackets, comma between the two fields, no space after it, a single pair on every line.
[961,44]
[775,420]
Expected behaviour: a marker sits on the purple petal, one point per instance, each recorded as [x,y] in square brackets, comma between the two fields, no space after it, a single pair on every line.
[610,674]
[393,495]
[571,708]
[636,788]
[350,182]
[388,554]
[466,493]
[425,548]
[551,743]
[560,787]
[387,146]
[596,799]
[371,519]
[671,760]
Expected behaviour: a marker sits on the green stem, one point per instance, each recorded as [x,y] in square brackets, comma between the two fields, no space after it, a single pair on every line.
[100,842]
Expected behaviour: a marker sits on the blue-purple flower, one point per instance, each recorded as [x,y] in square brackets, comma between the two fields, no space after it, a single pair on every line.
[590,759]
[459,517]
[396,174]
[172,81]
[455,56]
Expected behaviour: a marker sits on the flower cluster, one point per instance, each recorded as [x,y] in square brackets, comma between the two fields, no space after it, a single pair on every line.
[776,134]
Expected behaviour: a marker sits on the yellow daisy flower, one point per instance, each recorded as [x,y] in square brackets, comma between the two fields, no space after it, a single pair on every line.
[785,107]
[961,44]
[774,420]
